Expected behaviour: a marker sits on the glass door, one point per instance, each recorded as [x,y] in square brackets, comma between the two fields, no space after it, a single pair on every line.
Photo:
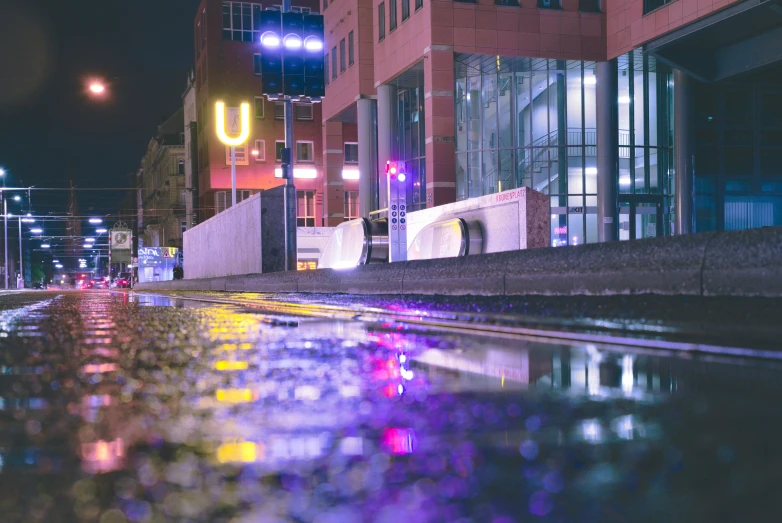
[640,217]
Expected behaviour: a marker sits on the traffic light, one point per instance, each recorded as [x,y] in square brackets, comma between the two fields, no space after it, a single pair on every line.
[293,54]
[314,86]
[271,52]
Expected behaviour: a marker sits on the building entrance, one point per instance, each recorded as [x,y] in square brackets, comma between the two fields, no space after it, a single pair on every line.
[640,216]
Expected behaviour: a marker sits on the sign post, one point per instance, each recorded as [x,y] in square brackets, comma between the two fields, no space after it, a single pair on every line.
[121,245]
[397,213]
[239,129]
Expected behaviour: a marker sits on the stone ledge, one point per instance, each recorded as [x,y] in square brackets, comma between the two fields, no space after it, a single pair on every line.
[736,263]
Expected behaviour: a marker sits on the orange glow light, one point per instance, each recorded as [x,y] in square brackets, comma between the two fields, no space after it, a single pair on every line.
[97,88]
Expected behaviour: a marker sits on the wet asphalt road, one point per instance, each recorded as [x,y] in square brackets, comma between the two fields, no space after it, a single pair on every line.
[123,407]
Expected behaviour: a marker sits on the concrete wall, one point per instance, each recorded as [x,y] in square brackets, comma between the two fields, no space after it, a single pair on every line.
[227,244]
[734,263]
[510,220]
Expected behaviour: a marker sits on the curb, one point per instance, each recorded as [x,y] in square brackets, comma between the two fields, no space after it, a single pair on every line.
[736,263]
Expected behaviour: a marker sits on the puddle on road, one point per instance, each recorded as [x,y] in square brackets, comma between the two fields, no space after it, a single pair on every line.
[157,409]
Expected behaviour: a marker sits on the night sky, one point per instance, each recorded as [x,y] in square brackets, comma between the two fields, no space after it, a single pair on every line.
[50,129]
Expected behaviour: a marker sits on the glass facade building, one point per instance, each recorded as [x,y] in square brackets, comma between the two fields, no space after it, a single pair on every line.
[645,126]
[411,142]
[525,122]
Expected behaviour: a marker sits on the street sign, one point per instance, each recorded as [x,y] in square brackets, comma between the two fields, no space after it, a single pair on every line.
[121,240]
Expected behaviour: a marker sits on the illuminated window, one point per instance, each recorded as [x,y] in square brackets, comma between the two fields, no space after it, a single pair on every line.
[305,208]
[351,153]
[305,152]
[260,146]
[303,111]
[180,167]
[351,205]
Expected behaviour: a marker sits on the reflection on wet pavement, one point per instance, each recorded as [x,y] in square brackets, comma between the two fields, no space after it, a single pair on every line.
[119,408]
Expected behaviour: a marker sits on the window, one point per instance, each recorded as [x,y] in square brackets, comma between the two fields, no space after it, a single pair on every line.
[241,21]
[260,146]
[182,194]
[342,56]
[351,152]
[223,199]
[305,208]
[183,226]
[392,14]
[334,63]
[279,110]
[258,107]
[279,145]
[405,9]
[325,4]
[302,10]
[257,64]
[381,21]
[305,152]
[589,6]
[419,4]
[303,111]
[651,5]
[514,3]
[548,4]
[351,205]
[241,155]
[351,51]
[180,168]
[326,68]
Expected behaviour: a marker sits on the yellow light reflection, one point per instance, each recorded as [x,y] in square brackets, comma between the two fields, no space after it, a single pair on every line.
[244,130]
[235,346]
[236,395]
[242,452]
[231,365]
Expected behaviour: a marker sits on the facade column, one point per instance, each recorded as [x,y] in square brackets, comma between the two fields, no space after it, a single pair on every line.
[607,107]
[683,132]
[333,185]
[439,125]
[367,156]
[386,138]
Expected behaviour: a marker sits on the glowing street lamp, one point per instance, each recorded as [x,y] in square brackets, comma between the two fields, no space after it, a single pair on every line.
[100,231]
[45,246]
[89,240]
[17,198]
[37,230]
[97,88]
[96,220]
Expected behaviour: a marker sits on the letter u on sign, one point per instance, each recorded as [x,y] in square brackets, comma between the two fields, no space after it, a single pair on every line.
[239,124]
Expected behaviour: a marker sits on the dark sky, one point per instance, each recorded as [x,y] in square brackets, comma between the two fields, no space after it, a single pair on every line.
[50,129]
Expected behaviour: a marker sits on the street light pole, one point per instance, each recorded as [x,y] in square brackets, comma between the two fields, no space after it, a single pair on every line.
[289,190]
[233,176]
[21,255]
[5,219]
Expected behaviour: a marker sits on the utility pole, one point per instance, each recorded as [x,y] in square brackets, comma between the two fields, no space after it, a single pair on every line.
[289,191]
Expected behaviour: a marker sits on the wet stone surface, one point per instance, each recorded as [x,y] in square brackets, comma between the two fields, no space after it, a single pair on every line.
[117,407]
